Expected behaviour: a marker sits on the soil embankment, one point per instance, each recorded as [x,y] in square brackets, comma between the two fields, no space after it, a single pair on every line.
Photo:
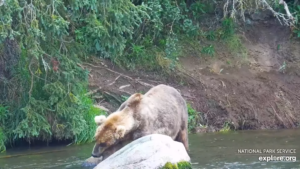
[259,91]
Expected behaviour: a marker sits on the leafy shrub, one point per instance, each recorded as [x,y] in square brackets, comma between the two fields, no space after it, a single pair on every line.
[228,28]
[235,45]
[46,92]
[209,50]
[44,43]
[3,118]
[295,9]
[158,34]
[194,119]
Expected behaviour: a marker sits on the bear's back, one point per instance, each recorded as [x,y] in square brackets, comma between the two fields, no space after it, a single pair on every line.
[163,111]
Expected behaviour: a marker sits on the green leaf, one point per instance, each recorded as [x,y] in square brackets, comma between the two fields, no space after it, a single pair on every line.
[98,46]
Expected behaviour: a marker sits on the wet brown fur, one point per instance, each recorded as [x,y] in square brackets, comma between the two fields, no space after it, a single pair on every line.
[135,100]
[162,110]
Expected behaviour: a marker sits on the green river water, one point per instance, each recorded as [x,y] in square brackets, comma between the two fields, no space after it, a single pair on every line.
[207,151]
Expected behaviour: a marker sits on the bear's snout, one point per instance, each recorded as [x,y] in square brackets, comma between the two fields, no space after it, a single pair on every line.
[102,144]
[98,150]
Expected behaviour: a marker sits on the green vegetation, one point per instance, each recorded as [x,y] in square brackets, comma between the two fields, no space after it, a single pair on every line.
[227,127]
[42,43]
[180,165]
[209,50]
[294,8]
[195,119]
[3,111]
[236,46]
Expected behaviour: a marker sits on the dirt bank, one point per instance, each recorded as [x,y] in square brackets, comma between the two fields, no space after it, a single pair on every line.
[259,91]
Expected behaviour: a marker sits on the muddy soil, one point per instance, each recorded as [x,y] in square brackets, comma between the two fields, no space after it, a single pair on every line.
[259,91]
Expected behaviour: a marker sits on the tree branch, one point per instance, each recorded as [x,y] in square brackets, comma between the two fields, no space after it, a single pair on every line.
[120,74]
[239,6]
[31,83]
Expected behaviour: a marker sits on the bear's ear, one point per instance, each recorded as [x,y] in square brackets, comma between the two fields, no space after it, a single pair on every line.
[134,100]
[120,132]
[100,119]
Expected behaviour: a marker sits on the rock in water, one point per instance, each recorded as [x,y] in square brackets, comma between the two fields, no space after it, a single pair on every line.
[148,152]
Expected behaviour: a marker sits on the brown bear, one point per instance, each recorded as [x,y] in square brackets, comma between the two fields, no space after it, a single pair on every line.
[162,110]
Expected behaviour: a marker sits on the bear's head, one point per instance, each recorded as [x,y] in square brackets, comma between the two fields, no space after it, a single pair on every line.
[115,127]
[111,131]
[108,133]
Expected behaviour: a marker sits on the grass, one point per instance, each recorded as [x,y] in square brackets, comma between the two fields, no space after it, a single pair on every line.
[194,119]
[235,46]
[227,127]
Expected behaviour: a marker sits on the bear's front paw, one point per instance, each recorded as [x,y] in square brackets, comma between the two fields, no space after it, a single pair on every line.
[91,162]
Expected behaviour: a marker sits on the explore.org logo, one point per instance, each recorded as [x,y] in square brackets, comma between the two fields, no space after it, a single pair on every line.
[278,158]
[266,155]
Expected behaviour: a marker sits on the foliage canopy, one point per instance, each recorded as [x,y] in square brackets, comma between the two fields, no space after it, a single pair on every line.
[42,42]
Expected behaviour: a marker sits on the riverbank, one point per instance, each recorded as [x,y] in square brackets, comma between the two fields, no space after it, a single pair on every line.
[253,89]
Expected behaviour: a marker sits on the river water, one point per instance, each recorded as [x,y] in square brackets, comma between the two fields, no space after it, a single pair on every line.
[207,151]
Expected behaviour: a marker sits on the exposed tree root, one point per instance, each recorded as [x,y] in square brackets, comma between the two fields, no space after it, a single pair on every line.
[125,76]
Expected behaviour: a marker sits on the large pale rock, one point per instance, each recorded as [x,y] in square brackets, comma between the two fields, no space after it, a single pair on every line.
[149,152]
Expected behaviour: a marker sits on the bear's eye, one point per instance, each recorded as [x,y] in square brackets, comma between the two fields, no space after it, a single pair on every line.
[102,144]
